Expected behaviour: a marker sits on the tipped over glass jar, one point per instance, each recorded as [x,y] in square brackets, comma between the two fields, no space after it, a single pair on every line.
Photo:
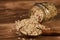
[46,11]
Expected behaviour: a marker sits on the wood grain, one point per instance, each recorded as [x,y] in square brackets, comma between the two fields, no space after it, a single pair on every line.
[12,10]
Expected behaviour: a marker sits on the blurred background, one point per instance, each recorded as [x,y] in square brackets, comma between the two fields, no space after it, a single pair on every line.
[12,10]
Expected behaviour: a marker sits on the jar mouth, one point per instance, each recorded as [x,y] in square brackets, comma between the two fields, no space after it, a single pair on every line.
[43,8]
[38,9]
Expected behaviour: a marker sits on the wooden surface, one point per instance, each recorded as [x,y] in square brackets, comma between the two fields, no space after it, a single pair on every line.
[10,11]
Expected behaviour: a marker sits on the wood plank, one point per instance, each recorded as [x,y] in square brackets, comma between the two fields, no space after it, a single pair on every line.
[12,10]
[22,4]
[12,36]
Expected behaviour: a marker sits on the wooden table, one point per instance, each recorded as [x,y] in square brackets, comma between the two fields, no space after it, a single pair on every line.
[11,10]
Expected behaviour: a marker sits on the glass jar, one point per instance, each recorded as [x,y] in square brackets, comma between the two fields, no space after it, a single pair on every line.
[45,10]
